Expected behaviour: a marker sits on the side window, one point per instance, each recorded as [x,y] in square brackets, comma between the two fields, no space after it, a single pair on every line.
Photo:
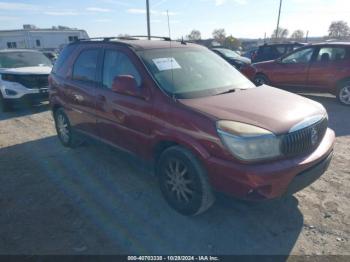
[327,54]
[281,50]
[299,57]
[115,64]
[85,66]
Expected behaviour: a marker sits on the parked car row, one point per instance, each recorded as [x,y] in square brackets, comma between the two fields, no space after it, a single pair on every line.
[201,124]
[321,67]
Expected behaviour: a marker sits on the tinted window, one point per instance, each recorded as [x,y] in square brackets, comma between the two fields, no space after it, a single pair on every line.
[281,49]
[331,54]
[11,45]
[115,64]
[301,56]
[62,58]
[269,52]
[85,66]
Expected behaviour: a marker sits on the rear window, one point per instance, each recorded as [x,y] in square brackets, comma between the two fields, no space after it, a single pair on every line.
[85,66]
[331,54]
[62,58]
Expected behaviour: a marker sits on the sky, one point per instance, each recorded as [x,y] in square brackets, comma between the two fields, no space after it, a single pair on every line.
[241,18]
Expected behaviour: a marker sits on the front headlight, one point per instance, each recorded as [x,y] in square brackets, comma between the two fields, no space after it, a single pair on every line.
[248,142]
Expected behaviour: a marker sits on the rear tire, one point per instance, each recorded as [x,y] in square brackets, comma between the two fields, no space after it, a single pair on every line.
[65,133]
[261,79]
[343,93]
[184,182]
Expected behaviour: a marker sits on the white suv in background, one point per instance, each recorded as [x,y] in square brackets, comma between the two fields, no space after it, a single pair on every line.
[23,77]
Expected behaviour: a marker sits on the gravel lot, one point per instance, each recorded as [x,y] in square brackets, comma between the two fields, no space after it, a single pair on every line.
[96,200]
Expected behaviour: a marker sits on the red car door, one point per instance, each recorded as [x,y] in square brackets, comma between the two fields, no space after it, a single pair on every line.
[292,70]
[124,120]
[80,89]
[328,67]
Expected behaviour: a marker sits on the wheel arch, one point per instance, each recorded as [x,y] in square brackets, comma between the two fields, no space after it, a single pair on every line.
[343,80]
[197,150]
[55,107]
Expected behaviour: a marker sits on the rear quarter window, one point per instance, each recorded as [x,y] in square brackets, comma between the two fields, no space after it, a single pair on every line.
[85,66]
[62,59]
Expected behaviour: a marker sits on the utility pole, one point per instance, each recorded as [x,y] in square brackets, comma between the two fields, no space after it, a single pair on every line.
[307,36]
[278,20]
[148,20]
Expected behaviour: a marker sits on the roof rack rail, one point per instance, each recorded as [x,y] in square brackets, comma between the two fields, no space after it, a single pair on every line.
[165,38]
[107,38]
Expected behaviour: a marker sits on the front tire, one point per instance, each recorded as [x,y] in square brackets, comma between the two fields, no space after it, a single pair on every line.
[261,79]
[65,132]
[184,182]
[343,93]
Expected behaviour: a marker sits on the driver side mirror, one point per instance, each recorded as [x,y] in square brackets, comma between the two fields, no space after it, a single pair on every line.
[279,60]
[126,85]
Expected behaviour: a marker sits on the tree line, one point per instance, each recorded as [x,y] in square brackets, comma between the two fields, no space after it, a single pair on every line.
[337,30]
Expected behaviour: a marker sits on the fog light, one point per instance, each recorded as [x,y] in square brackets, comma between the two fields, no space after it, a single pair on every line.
[10,92]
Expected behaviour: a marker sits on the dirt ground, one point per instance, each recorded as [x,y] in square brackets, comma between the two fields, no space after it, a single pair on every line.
[96,200]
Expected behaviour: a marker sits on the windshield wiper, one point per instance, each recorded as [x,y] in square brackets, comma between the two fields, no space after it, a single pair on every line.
[227,91]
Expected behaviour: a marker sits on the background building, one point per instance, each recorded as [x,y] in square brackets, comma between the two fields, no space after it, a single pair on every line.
[35,38]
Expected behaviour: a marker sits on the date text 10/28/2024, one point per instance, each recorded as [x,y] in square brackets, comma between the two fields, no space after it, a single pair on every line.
[173,258]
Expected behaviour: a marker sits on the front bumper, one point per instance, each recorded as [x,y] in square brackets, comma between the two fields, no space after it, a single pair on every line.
[270,180]
[309,176]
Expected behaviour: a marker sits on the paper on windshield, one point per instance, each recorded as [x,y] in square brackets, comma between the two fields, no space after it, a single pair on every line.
[166,63]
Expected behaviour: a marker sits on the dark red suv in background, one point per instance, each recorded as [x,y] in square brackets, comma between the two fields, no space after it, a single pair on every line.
[203,125]
[319,67]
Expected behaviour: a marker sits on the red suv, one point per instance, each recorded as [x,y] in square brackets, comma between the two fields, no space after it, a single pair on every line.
[319,67]
[203,125]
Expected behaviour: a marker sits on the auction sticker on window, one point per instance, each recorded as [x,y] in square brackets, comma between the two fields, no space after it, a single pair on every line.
[167,63]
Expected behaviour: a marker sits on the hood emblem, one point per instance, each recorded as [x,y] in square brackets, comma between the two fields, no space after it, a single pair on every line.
[314,136]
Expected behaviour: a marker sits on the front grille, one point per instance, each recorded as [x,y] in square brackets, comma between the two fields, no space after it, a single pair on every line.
[304,140]
[31,81]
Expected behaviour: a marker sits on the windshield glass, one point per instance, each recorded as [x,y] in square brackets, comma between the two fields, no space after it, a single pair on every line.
[23,59]
[227,52]
[192,72]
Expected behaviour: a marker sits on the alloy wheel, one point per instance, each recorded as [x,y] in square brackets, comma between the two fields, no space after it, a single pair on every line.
[178,181]
[260,80]
[344,95]
[62,127]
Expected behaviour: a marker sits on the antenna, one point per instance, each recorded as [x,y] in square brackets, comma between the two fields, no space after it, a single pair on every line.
[171,59]
[167,13]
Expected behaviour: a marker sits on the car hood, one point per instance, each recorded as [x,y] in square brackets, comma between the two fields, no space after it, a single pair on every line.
[267,107]
[35,70]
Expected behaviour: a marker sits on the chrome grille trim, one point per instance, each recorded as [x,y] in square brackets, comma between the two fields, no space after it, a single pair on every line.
[304,140]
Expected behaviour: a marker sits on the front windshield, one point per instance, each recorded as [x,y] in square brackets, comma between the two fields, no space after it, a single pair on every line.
[192,72]
[23,59]
[227,52]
